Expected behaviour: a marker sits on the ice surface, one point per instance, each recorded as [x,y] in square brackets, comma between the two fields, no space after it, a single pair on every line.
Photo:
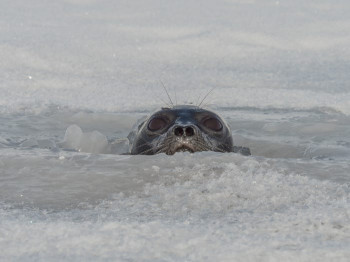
[77,75]
[131,207]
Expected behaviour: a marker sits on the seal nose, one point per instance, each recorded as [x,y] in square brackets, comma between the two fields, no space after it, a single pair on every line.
[184,131]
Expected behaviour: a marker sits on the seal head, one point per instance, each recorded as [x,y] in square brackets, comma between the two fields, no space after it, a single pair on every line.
[182,128]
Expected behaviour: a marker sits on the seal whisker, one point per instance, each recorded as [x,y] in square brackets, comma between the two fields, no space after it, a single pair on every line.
[202,147]
[141,145]
[199,97]
[161,150]
[175,97]
[166,91]
[211,90]
[159,98]
[218,149]
[144,152]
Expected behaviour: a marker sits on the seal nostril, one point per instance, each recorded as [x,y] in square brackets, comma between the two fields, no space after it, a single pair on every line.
[189,131]
[178,131]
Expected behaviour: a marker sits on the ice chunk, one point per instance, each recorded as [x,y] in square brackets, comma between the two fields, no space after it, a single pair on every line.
[93,142]
[120,146]
[72,137]
[90,142]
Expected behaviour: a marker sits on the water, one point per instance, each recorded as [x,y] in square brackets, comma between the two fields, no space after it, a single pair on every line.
[78,75]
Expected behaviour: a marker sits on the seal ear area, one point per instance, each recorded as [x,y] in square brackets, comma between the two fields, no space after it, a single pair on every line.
[158,123]
[212,123]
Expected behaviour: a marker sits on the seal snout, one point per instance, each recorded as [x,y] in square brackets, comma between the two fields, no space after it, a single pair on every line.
[181,131]
[184,137]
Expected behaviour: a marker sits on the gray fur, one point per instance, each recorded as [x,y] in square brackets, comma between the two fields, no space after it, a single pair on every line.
[183,128]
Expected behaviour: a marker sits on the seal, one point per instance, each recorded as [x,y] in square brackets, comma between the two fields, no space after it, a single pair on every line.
[183,128]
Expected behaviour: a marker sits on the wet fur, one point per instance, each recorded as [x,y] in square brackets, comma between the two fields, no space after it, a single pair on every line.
[146,142]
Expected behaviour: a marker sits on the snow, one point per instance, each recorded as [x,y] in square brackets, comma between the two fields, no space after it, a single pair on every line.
[77,75]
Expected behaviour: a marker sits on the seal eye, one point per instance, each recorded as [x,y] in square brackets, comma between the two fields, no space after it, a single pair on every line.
[213,124]
[157,123]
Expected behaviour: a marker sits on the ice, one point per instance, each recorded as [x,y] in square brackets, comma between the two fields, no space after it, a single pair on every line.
[29,143]
[90,142]
[235,205]
[93,142]
[73,137]
[119,146]
[77,76]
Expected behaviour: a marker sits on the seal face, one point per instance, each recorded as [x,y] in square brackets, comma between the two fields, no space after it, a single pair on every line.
[182,128]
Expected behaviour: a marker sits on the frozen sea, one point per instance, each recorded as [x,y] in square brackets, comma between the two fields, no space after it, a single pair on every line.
[76,75]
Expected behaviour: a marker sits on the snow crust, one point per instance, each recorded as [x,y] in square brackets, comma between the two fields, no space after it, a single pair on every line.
[168,208]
